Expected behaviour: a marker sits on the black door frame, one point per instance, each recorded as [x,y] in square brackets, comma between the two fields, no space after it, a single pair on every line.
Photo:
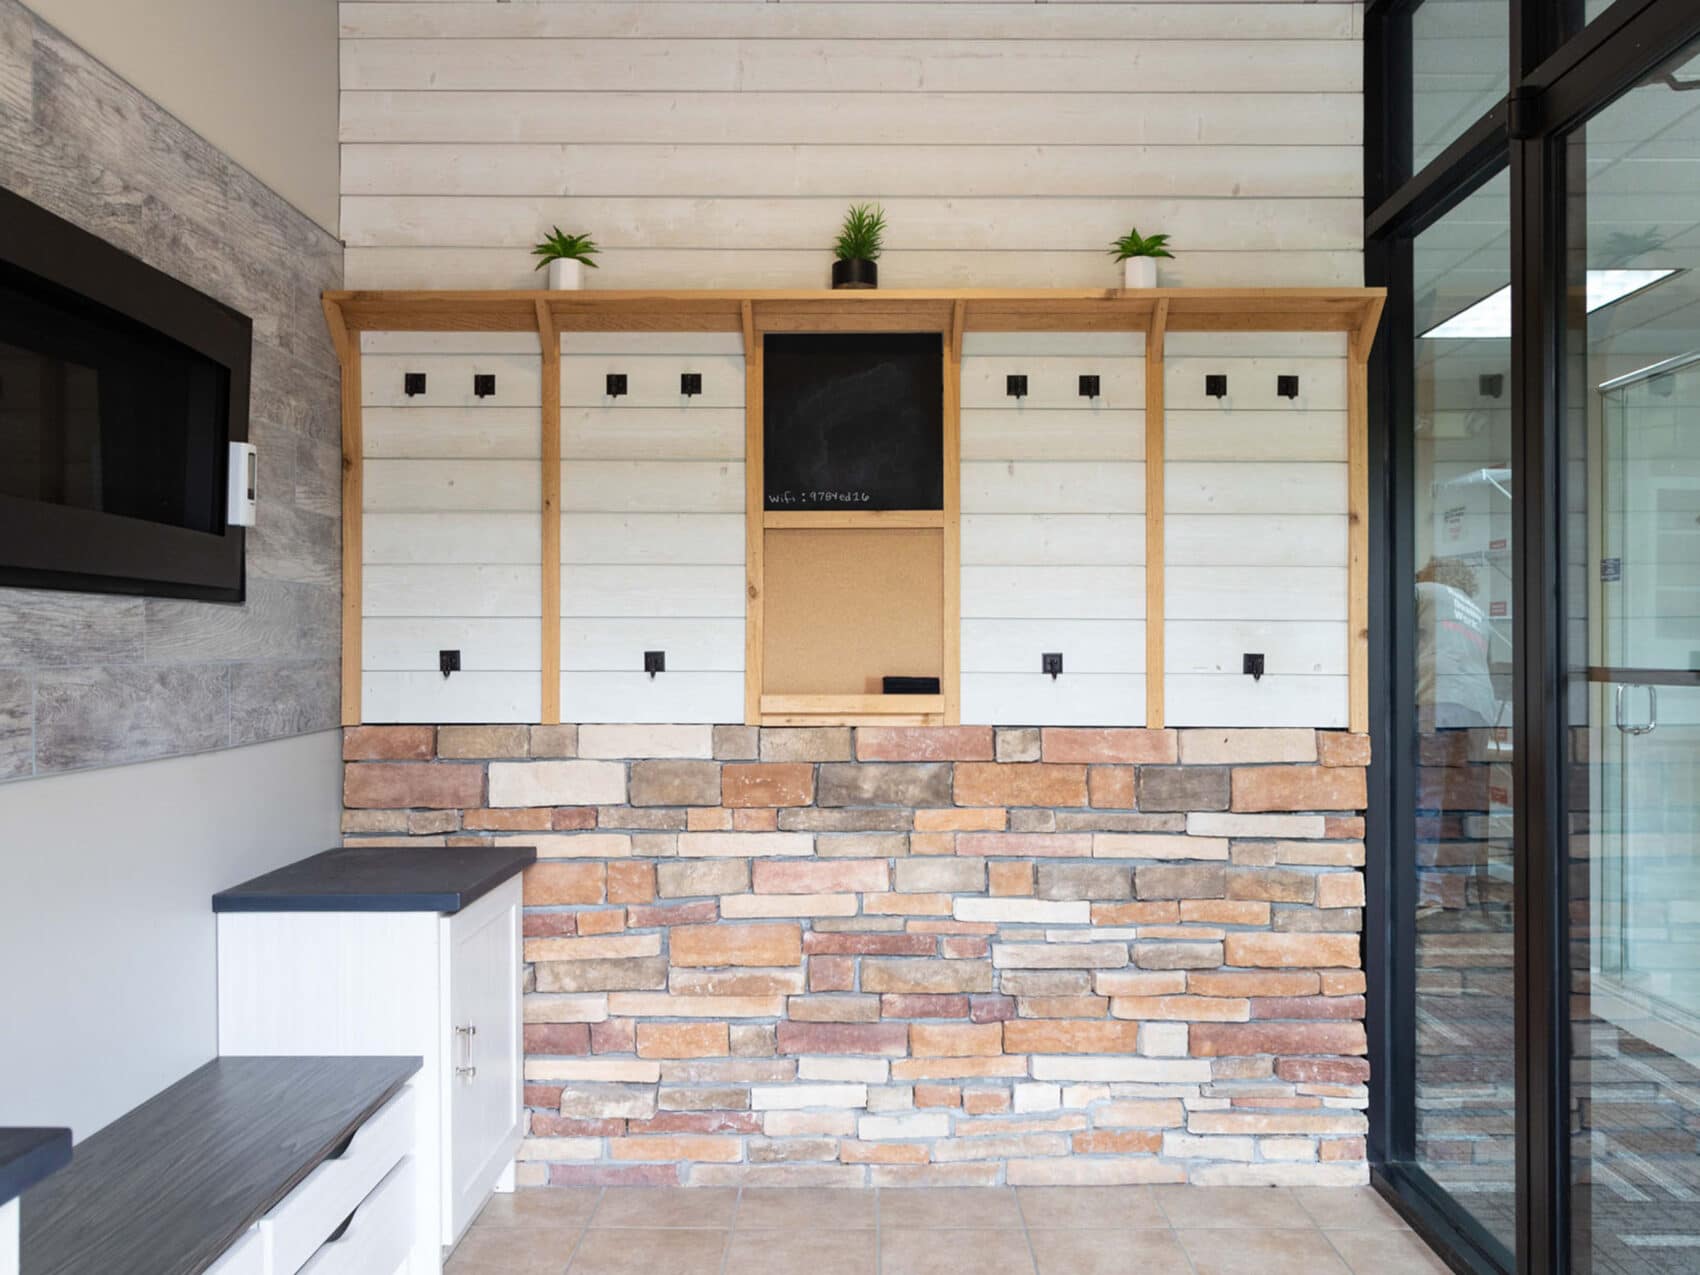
[1555,84]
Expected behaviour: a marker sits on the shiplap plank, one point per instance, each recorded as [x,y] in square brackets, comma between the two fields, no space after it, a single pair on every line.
[1251,345]
[904,19]
[1255,593]
[939,267]
[1088,646]
[1294,648]
[475,343]
[1086,699]
[848,171]
[636,697]
[849,65]
[423,486]
[448,380]
[796,223]
[657,538]
[1252,382]
[1028,345]
[421,539]
[1097,592]
[1039,486]
[464,697]
[1250,435]
[411,644]
[708,592]
[1255,487]
[1305,114]
[652,486]
[1007,434]
[452,590]
[489,433]
[1053,539]
[653,433]
[616,645]
[652,381]
[1238,701]
[1257,540]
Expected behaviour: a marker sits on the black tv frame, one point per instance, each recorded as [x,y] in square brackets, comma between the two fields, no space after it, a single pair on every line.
[57,547]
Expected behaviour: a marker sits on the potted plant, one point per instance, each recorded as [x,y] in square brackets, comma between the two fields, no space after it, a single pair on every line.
[566,256]
[1139,254]
[860,241]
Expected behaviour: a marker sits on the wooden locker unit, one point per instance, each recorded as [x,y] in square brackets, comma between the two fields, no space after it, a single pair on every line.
[745,315]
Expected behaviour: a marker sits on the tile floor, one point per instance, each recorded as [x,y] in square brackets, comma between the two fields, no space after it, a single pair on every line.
[1139,1230]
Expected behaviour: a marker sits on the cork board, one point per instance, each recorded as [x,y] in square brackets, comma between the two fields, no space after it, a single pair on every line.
[845,608]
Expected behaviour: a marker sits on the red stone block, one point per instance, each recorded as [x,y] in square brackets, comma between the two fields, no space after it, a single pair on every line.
[549,925]
[923,1005]
[614,1175]
[543,1096]
[613,1036]
[1338,748]
[888,1039]
[557,1038]
[1019,784]
[1348,1007]
[545,1125]
[924,743]
[1128,746]
[1118,1142]
[869,944]
[572,818]
[389,743]
[697,1122]
[1265,788]
[1323,1071]
[519,819]
[961,948]
[404,785]
[631,882]
[767,784]
[1230,1040]
[649,917]
[1110,787]
[832,973]
[563,882]
[991,1009]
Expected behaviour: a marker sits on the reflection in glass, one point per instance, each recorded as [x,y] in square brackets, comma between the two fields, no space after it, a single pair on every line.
[1632,694]
[1460,67]
[1462,540]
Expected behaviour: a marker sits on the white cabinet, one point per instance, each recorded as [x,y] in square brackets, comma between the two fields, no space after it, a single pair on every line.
[443,987]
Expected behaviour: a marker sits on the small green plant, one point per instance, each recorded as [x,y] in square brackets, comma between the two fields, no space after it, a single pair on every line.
[557,246]
[1134,244]
[862,236]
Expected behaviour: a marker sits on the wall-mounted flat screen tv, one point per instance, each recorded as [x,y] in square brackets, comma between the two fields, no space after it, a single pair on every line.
[121,390]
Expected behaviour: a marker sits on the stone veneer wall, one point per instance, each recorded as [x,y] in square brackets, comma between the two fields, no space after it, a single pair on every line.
[917,956]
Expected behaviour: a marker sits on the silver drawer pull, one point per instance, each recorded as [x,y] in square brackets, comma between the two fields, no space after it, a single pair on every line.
[468,1072]
[466,1031]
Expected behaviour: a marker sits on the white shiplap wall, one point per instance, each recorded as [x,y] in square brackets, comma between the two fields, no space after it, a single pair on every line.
[1053,528]
[652,528]
[452,540]
[1255,531]
[717,144]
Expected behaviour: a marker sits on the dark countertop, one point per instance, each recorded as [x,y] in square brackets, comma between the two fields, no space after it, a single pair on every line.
[29,1155]
[380,879]
[168,1187]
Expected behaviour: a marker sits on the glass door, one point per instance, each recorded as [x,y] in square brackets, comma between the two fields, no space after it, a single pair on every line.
[1630,546]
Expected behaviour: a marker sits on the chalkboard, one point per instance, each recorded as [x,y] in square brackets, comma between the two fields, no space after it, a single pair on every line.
[853,420]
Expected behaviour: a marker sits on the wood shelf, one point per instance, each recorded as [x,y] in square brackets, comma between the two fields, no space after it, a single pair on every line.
[798,519]
[952,311]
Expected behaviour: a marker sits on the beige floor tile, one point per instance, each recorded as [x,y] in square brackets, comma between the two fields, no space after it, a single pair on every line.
[659,1208]
[814,1252]
[805,1208]
[633,1252]
[1245,1251]
[523,1250]
[1116,1208]
[1230,1206]
[1351,1208]
[1109,1253]
[934,1252]
[1386,1253]
[540,1206]
[956,1207]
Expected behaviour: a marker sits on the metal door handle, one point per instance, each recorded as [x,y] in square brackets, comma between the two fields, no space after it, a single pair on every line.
[1652,722]
[467,1070]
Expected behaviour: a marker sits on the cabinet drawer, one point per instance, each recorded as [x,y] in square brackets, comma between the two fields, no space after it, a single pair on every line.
[378,1236]
[245,1257]
[299,1225]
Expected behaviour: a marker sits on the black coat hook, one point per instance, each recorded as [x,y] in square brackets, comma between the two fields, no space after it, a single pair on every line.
[1216,385]
[412,383]
[483,384]
[1088,387]
[690,383]
[1287,386]
[1015,386]
[616,384]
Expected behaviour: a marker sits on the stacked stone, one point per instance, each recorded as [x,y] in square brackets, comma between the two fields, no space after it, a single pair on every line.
[892,956]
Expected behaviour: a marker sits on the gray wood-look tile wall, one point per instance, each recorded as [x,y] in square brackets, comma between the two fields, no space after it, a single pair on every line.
[96,680]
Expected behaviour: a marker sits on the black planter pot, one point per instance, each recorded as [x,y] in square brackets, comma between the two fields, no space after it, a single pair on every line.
[855,274]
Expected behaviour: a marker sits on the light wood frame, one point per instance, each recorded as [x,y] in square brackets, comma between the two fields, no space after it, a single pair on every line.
[951,312]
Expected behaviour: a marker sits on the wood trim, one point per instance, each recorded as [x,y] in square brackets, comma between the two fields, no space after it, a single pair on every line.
[807,309]
[950,664]
[755,533]
[550,341]
[870,705]
[353,511]
[822,518]
[1154,493]
[1357,529]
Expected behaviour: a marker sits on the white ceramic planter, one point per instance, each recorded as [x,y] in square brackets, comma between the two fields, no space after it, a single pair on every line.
[1139,272]
[566,276]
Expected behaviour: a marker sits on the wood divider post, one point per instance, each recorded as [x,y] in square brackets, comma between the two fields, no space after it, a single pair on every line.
[1154,338]
[347,345]
[549,341]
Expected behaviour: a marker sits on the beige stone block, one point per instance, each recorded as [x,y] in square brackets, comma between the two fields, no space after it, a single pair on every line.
[635,741]
[557,783]
[631,1070]
[1228,747]
[708,845]
[1158,845]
